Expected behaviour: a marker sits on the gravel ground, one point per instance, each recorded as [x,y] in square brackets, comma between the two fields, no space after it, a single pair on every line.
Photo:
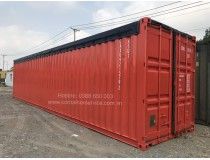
[27,131]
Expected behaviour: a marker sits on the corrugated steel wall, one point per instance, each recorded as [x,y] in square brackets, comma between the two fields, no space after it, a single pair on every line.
[203,84]
[97,85]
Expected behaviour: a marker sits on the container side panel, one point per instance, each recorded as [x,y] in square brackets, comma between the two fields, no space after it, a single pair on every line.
[95,86]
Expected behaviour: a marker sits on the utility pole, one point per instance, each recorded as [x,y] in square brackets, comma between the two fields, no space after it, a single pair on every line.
[75,30]
[3,56]
[3,60]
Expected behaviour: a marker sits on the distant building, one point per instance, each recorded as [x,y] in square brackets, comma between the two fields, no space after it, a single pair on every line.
[2,76]
[9,78]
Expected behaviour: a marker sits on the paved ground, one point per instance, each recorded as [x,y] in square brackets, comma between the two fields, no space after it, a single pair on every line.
[26,131]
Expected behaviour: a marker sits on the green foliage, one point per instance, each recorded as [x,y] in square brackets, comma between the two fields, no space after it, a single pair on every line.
[207,35]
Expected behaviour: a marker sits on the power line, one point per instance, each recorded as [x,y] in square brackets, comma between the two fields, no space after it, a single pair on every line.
[195,29]
[42,43]
[105,25]
[119,22]
[194,12]
[61,38]
[124,16]
[50,42]
[85,24]
[3,60]
[152,14]
[132,19]
[56,41]
[144,15]
[182,9]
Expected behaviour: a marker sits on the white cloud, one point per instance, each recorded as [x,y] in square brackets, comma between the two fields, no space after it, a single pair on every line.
[58,6]
[193,21]
[139,6]
[14,40]
[18,42]
[105,13]
[130,8]
[82,34]
[184,20]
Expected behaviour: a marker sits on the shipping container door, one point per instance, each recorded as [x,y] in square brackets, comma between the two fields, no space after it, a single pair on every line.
[184,84]
[158,83]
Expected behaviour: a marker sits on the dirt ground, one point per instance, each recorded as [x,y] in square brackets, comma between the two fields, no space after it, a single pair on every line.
[26,131]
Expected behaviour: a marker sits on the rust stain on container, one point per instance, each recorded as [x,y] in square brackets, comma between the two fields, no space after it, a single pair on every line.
[134,83]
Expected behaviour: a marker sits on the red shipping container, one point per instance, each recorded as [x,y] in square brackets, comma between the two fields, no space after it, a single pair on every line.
[134,83]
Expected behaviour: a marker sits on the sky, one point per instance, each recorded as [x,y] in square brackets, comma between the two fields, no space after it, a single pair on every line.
[28,27]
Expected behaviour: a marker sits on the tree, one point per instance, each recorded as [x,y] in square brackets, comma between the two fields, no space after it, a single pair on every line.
[207,35]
